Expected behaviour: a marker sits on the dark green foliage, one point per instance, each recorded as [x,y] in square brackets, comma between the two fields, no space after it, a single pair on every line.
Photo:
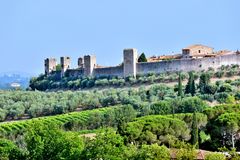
[48,142]
[180,87]
[215,156]
[237,95]
[194,132]
[225,88]
[145,130]
[162,107]
[207,97]
[171,106]
[221,119]
[14,105]
[210,89]
[142,58]
[153,152]
[190,87]
[188,119]
[219,74]
[230,123]
[131,137]
[152,129]
[107,145]
[58,67]
[8,150]
[190,105]
[221,97]
[204,81]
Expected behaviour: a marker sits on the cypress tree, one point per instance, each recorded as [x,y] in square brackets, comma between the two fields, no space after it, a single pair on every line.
[142,58]
[180,90]
[193,88]
[204,80]
[194,133]
[190,87]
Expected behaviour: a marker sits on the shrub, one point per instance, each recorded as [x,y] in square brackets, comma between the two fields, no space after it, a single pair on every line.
[101,82]
[3,114]
[219,74]
[231,72]
[221,97]
[225,88]
[230,99]
[215,156]
[207,97]
[162,107]
[154,151]
[191,104]
[237,95]
[211,89]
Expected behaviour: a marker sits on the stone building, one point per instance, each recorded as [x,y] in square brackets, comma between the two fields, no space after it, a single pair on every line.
[196,51]
[195,57]
[129,62]
[80,62]
[89,65]
[50,65]
[65,64]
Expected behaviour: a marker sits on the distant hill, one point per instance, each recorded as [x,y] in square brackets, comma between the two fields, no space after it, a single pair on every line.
[11,80]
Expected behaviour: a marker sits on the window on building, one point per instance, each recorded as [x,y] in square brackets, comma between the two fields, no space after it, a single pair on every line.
[199,51]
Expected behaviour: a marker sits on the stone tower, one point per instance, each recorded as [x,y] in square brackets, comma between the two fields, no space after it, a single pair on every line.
[65,64]
[89,64]
[50,65]
[130,61]
[80,62]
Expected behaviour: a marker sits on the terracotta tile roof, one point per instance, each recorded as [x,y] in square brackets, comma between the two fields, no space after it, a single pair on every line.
[223,52]
[196,45]
[164,57]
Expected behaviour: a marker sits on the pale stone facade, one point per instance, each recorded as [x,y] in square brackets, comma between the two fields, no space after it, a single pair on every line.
[65,64]
[50,65]
[129,62]
[89,64]
[196,51]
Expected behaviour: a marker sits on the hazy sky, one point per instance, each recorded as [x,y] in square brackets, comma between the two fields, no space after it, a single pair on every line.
[31,30]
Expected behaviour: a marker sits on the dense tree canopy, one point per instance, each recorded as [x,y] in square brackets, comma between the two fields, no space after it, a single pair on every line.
[154,129]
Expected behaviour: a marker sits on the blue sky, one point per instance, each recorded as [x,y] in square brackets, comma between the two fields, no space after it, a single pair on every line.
[33,30]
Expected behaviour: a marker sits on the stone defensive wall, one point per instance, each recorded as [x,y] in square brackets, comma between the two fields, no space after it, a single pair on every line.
[103,71]
[87,66]
[106,71]
[188,64]
[185,65]
[75,72]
